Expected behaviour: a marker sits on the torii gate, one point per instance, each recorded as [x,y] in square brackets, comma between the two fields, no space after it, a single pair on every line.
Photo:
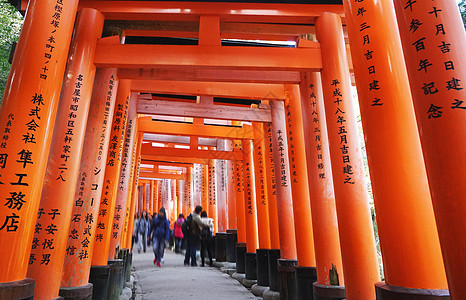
[408,170]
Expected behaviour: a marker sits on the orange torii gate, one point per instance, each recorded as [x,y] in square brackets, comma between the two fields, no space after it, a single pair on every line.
[402,188]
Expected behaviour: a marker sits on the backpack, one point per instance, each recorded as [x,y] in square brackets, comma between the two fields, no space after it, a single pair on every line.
[186,226]
[194,228]
[206,234]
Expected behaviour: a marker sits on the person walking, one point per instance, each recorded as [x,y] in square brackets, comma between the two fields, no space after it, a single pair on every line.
[206,238]
[159,233]
[142,229]
[178,232]
[193,230]
[135,231]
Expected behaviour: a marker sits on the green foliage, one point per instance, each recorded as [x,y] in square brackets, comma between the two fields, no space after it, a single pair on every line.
[10,26]
[462,6]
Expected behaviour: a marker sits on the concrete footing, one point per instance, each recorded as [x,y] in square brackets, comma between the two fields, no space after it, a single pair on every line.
[239,277]
[258,290]
[385,291]
[248,283]
[77,293]
[18,290]
[270,295]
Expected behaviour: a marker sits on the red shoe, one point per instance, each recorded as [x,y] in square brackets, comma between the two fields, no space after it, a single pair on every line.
[155,260]
[159,265]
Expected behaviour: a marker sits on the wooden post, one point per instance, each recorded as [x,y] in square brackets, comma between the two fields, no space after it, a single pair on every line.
[54,215]
[76,267]
[352,201]
[433,41]
[324,215]
[33,86]
[112,172]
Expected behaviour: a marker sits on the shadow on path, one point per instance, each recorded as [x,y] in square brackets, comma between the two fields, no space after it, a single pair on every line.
[175,281]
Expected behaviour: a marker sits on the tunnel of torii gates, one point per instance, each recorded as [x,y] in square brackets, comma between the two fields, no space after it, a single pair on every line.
[113,108]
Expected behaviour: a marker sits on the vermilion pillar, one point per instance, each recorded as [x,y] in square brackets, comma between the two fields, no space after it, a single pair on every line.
[434,40]
[112,172]
[174,200]
[27,116]
[263,231]
[249,198]
[77,262]
[54,214]
[239,191]
[286,285]
[134,191]
[324,215]
[189,189]
[298,177]
[197,184]
[144,196]
[231,189]
[159,199]
[279,149]
[212,205]
[398,172]
[221,192]
[130,196]
[185,197]
[354,219]
[204,186]
[124,178]
[271,187]
[152,196]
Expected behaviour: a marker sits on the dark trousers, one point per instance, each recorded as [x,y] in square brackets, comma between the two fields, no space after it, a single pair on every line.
[191,248]
[206,245]
[177,244]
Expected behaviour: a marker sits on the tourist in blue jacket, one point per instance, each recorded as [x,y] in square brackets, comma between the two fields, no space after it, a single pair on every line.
[159,232]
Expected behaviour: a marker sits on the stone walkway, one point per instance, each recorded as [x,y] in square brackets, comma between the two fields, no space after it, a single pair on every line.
[175,281]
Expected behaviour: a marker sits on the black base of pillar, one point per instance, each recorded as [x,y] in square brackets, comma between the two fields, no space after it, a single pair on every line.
[240,258]
[18,290]
[274,256]
[77,292]
[250,264]
[232,238]
[287,278]
[389,292]
[221,247]
[99,277]
[262,267]
[328,292]
[305,277]
[129,264]
[114,280]
[123,255]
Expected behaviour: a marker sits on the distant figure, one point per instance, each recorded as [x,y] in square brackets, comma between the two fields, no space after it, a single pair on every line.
[159,231]
[135,230]
[192,225]
[142,229]
[206,237]
[178,232]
